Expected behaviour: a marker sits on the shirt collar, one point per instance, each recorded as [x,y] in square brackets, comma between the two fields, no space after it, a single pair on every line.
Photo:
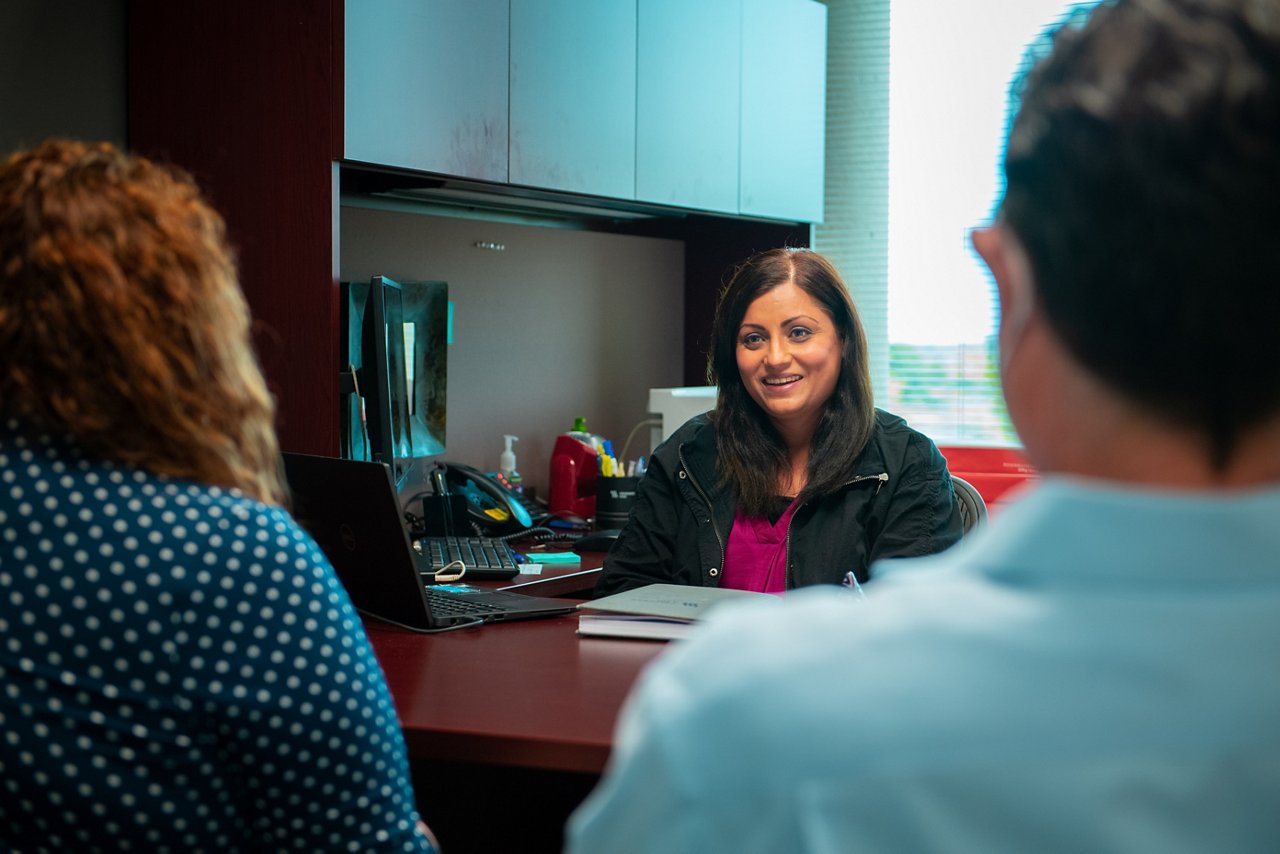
[1070,528]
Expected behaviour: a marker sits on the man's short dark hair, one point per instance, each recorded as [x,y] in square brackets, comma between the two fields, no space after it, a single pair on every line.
[1143,176]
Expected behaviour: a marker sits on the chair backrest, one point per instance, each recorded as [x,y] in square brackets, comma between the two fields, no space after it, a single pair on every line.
[993,471]
[973,510]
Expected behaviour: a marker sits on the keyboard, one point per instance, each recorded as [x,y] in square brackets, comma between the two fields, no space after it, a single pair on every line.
[444,605]
[483,557]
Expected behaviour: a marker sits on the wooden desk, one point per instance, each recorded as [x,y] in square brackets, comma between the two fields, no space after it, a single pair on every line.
[529,693]
[510,719]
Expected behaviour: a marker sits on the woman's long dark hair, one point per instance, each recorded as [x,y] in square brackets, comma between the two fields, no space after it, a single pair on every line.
[751,456]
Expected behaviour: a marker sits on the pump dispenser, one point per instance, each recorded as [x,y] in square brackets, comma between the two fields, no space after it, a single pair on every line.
[580,432]
[507,461]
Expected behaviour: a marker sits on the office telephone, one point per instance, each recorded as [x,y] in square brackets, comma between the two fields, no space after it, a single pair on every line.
[464,500]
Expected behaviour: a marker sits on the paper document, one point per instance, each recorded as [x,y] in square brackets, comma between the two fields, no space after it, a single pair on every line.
[633,626]
[673,601]
[656,611]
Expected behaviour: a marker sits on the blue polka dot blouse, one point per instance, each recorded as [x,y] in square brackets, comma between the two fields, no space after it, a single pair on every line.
[181,670]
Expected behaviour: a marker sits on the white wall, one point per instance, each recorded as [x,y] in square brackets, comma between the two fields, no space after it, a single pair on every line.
[557,324]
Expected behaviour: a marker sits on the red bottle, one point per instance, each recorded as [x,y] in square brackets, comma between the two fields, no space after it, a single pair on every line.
[574,469]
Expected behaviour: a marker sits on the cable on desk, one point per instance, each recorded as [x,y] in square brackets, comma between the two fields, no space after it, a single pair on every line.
[541,534]
[440,576]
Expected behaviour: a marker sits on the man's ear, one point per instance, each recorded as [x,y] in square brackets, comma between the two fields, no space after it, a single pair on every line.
[1008,262]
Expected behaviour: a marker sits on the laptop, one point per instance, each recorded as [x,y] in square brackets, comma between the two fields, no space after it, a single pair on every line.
[352,511]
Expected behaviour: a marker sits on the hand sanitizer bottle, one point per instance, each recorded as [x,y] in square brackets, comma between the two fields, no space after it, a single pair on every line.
[507,463]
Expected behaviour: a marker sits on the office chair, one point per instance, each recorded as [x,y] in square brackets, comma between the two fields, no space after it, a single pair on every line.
[973,510]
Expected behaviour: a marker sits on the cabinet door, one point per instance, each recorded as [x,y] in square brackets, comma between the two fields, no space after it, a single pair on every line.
[687,112]
[426,85]
[573,95]
[784,67]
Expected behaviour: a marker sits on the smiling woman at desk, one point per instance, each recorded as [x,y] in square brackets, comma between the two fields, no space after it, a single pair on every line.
[181,668]
[795,478]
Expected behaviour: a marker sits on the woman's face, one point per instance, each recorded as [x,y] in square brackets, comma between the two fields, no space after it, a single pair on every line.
[789,358]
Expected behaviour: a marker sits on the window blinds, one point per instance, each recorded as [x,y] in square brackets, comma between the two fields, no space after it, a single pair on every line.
[917,112]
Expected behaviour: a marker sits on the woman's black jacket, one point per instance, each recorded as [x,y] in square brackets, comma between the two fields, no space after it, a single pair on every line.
[898,504]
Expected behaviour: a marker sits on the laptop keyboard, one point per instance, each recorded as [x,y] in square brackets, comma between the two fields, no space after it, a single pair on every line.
[444,604]
[476,553]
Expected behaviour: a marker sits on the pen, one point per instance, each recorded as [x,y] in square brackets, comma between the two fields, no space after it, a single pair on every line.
[851,583]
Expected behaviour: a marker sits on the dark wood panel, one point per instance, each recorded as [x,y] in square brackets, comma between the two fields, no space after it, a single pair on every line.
[713,249]
[714,246]
[242,94]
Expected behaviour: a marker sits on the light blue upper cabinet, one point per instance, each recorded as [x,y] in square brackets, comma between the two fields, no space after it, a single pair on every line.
[573,96]
[426,85]
[687,112]
[711,105]
[784,66]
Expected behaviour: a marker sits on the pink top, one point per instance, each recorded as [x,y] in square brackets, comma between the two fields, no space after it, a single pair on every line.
[756,556]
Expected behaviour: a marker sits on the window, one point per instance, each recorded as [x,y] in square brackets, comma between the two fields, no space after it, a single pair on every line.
[918,108]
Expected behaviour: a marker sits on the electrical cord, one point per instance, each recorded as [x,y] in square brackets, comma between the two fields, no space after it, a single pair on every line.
[440,574]
[359,399]
[648,422]
[519,535]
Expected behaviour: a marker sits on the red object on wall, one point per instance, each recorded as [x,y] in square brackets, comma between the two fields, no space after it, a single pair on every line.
[992,471]
[573,478]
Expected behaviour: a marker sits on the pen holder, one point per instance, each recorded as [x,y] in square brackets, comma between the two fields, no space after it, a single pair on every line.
[614,497]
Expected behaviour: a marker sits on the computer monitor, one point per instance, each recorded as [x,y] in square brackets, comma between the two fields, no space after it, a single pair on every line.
[395,352]
[383,381]
[426,338]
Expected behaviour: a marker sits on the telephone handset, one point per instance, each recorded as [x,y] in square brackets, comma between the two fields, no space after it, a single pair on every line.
[489,506]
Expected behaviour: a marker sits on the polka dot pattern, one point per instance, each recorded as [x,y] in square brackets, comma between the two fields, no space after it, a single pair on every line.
[181,670]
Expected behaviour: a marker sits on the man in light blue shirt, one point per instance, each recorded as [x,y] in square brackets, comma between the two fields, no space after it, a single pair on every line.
[1097,669]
